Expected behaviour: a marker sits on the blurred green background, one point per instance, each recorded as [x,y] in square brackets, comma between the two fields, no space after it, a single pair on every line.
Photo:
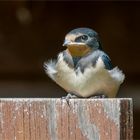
[32,32]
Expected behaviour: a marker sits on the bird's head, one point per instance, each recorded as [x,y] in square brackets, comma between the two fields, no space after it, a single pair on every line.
[82,41]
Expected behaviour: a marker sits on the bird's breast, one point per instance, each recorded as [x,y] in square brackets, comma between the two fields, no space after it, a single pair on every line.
[94,80]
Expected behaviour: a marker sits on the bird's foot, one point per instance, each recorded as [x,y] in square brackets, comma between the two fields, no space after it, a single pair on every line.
[98,96]
[69,96]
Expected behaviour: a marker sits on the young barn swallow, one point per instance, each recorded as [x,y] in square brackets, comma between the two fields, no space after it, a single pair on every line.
[84,69]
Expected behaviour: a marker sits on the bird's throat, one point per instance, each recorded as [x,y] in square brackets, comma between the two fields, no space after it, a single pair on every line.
[78,50]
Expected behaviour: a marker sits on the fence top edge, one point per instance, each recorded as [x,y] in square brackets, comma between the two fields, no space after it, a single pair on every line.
[60,99]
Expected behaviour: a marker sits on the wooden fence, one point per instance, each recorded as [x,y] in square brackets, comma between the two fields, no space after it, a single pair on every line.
[56,119]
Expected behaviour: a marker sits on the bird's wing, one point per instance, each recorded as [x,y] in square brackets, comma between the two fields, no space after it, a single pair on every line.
[107,62]
[92,60]
[68,58]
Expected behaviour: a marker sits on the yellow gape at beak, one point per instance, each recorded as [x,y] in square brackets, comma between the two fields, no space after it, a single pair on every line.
[78,49]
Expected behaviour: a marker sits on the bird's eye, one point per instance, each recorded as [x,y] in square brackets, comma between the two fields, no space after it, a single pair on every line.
[84,37]
[81,38]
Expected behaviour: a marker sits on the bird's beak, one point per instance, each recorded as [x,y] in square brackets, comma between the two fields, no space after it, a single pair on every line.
[66,43]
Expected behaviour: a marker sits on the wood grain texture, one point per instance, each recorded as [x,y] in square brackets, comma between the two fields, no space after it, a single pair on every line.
[55,119]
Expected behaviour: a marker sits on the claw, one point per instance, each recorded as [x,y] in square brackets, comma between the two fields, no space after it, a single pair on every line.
[69,96]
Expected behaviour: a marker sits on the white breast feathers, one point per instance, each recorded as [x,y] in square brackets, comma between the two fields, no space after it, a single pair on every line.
[94,80]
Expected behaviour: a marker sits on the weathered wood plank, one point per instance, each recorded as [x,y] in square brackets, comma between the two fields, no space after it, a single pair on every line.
[55,119]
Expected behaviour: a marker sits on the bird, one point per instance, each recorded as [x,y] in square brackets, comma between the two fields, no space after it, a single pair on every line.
[83,69]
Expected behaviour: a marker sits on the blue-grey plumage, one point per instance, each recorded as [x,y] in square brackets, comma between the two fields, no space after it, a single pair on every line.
[84,69]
